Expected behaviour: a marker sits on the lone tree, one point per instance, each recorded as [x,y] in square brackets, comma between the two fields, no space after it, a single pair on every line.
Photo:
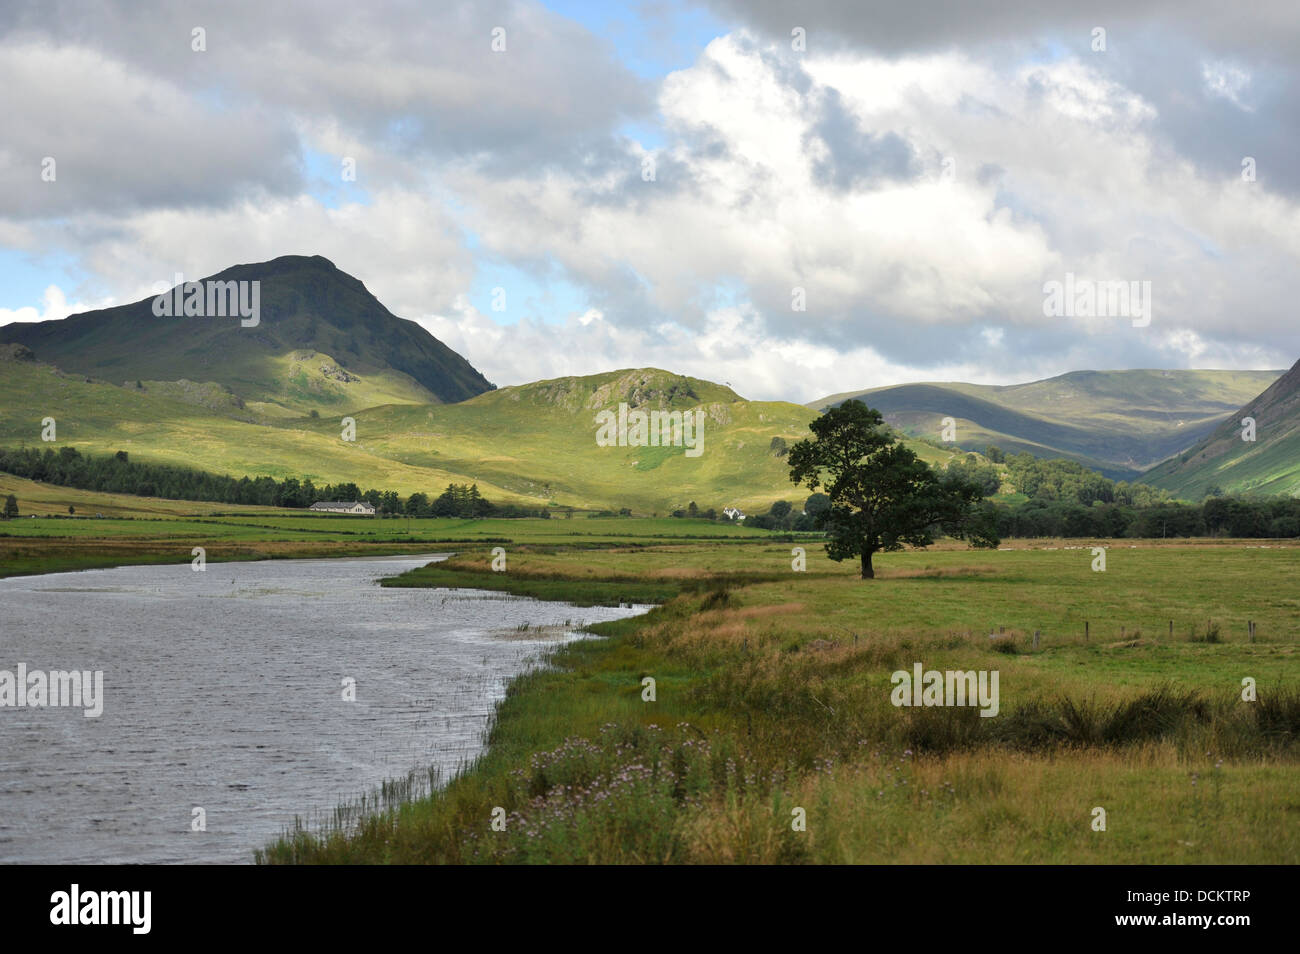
[11,507]
[882,496]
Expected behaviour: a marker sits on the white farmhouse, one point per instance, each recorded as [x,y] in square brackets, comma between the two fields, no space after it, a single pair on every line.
[733,513]
[350,507]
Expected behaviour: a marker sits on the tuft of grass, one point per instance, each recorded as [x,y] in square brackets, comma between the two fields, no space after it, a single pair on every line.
[1277,714]
[1209,634]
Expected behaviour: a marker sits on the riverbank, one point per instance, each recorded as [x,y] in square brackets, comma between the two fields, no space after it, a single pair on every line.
[767,733]
[58,543]
[28,556]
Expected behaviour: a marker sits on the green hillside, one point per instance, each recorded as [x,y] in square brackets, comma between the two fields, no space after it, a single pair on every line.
[1117,422]
[535,443]
[98,417]
[1268,465]
[322,342]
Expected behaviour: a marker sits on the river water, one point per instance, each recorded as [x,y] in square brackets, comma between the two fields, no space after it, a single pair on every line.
[224,690]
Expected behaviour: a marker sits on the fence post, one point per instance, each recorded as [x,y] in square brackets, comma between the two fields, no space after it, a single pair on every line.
[1035,639]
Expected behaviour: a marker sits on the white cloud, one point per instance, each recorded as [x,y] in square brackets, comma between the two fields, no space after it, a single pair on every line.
[735,348]
[823,172]
[1227,81]
[1058,169]
[403,246]
[54,305]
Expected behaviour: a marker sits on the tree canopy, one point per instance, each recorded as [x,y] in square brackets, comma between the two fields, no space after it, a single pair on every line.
[882,496]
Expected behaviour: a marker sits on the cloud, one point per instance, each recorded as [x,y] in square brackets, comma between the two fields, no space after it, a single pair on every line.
[54,305]
[121,142]
[736,349]
[415,78]
[1057,168]
[403,245]
[1269,29]
[1227,81]
[911,181]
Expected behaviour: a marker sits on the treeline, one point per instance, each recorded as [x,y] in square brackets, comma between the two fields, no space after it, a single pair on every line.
[783,516]
[1053,480]
[1070,481]
[118,474]
[1216,517]
[1066,499]
[458,500]
[780,516]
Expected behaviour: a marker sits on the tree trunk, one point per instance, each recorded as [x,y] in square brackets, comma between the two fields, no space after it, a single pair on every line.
[867,572]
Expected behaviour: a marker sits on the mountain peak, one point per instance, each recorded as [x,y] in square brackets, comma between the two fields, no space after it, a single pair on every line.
[306,304]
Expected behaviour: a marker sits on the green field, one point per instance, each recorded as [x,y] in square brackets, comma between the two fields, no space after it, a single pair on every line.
[772,694]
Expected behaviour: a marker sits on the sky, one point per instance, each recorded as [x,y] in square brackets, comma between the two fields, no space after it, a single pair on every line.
[795,198]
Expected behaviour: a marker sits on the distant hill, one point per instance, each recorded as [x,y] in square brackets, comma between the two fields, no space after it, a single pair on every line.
[1117,422]
[1268,465]
[323,343]
[539,440]
[534,443]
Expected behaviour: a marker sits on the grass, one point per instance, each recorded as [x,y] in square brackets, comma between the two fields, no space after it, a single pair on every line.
[160,534]
[35,497]
[772,694]
[533,444]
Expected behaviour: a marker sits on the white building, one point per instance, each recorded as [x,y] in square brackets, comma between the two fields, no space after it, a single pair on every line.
[351,507]
[733,513]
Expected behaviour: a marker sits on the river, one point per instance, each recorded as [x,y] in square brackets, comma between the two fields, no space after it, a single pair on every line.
[224,699]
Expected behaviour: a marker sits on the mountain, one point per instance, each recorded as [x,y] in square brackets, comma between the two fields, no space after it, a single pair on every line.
[1118,422]
[534,443]
[1268,465]
[322,343]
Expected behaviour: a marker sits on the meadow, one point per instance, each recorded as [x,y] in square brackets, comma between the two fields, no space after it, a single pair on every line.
[771,736]
[772,692]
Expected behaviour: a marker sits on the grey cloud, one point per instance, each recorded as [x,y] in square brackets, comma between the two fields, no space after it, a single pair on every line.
[404,74]
[856,157]
[1210,131]
[1269,28]
[120,144]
